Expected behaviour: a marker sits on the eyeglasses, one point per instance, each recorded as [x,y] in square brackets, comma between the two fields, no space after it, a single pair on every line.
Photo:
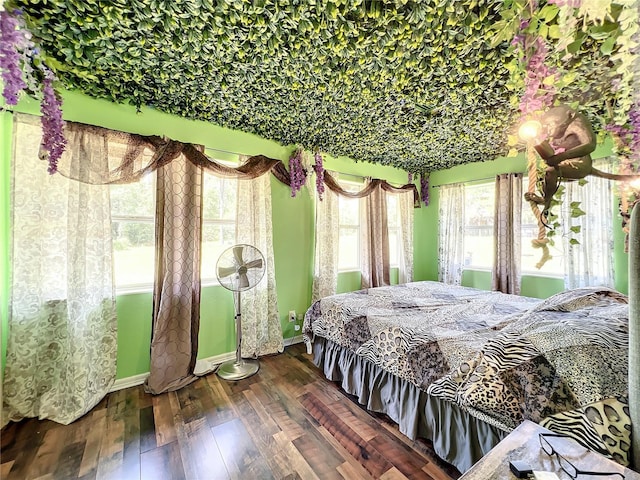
[566,466]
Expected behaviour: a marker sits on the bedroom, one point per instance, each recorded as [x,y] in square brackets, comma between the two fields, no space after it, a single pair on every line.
[293,226]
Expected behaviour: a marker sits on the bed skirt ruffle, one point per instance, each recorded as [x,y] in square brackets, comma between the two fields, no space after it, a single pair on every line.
[458,438]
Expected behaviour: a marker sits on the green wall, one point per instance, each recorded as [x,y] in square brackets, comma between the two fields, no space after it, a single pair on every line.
[293,226]
[293,233]
[539,285]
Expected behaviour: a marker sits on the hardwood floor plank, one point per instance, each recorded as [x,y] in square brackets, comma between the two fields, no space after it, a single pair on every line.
[5,468]
[162,463]
[298,462]
[28,438]
[286,422]
[216,405]
[240,454]
[201,458]
[68,465]
[131,450]
[369,457]
[148,439]
[48,453]
[163,419]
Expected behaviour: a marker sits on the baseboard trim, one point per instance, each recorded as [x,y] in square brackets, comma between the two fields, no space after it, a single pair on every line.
[203,366]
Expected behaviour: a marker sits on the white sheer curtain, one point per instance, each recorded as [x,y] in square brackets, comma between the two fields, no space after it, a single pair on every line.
[325,271]
[261,328]
[406,205]
[590,263]
[451,233]
[61,352]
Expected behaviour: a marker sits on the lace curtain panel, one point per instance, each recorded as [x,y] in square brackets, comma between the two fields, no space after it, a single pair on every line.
[62,342]
[506,233]
[261,328]
[451,234]
[325,271]
[590,263]
[406,202]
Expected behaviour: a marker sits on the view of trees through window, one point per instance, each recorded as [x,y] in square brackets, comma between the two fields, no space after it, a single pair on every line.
[218,222]
[132,227]
[349,243]
[478,225]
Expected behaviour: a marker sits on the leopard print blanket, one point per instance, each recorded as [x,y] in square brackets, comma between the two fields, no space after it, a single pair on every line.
[561,362]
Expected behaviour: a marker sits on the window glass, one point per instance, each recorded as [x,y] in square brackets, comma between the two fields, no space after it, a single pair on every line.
[349,214]
[478,225]
[132,226]
[218,222]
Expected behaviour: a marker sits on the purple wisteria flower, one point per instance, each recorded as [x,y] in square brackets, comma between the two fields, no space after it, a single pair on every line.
[53,140]
[319,169]
[296,172]
[11,38]
[424,188]
[409,177]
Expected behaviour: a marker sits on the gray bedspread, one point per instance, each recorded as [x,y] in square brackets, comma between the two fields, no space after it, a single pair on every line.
[561,362]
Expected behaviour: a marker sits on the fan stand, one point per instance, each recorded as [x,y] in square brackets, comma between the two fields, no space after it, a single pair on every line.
[240,367]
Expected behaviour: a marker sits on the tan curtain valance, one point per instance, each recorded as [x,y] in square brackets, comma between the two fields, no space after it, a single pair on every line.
[127,157]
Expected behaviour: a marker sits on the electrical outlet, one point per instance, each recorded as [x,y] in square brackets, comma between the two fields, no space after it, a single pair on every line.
[292,315]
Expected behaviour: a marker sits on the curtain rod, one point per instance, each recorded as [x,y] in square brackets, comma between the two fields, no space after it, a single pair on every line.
[329,169]
[475,180]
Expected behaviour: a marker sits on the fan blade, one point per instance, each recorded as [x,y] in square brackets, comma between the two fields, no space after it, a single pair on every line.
[243,281]
[237,253]
[257,263]
[226,271]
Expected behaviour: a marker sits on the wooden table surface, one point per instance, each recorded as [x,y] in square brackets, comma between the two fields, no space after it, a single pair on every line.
[523,444]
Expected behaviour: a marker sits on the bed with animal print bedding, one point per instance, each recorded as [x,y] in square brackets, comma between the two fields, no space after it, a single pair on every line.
[498,359]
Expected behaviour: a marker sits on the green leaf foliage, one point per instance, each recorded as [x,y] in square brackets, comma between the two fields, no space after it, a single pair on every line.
[419,85]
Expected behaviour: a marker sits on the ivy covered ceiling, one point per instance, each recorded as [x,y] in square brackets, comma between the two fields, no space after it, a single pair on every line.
[420,85]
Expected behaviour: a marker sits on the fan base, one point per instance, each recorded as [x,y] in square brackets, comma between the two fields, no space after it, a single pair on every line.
[237,371]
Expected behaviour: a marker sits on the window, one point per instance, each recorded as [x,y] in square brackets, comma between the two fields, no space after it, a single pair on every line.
[349,243]
[393,227]
[478,226]
[133,234]
[218,222]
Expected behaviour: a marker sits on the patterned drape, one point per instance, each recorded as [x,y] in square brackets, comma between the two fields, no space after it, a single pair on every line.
[507,233]
[176,290]
[325,271]
[261,328]
[61,350]
[375,246]
[405,273]
[589,263]
[451,234]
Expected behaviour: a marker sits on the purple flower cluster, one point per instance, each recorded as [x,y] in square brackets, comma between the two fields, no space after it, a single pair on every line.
[424,188]
[53,140]
[629,136]
[297,172]
[319,169]
[537,96]
[409,177]
[11,38]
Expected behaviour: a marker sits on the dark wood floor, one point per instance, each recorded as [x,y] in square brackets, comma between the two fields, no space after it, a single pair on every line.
[285,422]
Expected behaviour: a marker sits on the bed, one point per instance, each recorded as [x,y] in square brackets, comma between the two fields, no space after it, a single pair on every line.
[462,367]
